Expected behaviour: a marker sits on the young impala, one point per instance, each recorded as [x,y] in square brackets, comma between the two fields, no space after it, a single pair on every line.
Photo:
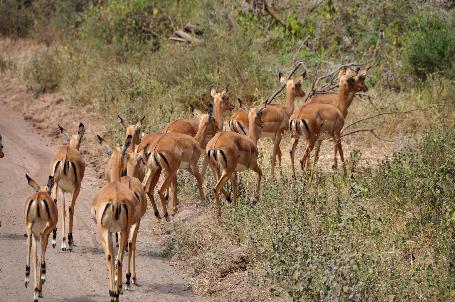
[331,99]
[40,220]
[315,120]
[68,169]
[116,209]
[135,185]
[230,152]
[171,152]
[134,130]
[275,117]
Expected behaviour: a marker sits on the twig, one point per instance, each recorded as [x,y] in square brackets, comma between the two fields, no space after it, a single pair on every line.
[371,130]
[364,95]
[380,114]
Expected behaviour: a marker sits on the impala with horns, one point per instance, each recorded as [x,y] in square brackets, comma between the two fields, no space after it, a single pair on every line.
[68,169]
[1,148]
[313,121]
[118,157]
[134,130]
[40,220]
[275,117]
[173,151]
[230,152]
[115,209]
[330,99]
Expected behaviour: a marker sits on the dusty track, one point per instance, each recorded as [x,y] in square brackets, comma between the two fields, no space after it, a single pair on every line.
[71,276]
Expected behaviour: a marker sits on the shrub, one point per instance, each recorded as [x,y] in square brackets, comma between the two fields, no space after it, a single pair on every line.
[45,71]
[430,47]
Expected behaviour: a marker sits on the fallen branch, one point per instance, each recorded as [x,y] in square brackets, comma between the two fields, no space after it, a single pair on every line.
[177,39]
[380,114]
[371,130]
[272,12]
[195,29]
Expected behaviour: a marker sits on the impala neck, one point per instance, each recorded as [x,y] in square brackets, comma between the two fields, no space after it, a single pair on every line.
[345,97]
[218,113]
[116,166]
[200,135]
[253,132]
[290,98]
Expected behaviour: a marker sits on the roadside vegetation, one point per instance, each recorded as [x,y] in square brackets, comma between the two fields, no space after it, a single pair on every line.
[386,233]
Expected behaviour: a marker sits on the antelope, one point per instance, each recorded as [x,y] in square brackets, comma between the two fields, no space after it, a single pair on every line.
[134,184]
[341,100]
[41,217]
[1,148]
[68,169]
[135,131]
[314,120]
[171,152]
[116,209]
[221,103]
[275,117]
[231,152]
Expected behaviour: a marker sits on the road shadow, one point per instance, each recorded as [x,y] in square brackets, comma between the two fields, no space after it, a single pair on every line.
[12,236]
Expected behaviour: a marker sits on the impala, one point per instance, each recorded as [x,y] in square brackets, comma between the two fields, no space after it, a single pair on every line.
[68,171]
[135,185]
[115,208]
[275,117]
[342,100]
[134,130]
[171,152]
[315,120]
[40,220]
[230,152]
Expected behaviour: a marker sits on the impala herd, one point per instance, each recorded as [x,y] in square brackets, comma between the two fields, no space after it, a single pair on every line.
[134,169]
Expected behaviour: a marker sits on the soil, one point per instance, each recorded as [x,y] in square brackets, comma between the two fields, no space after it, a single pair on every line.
[29,143]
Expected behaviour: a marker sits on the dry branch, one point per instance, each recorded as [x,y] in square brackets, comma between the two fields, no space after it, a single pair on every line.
[371,130]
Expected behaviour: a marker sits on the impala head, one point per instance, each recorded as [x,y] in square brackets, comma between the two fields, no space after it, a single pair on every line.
[255,117]
[41,189]
[74,140]
[358,76]
[133,162]
[132,129]
[1,148]
[117,154]
[221,99]
[293,86]
[207,123]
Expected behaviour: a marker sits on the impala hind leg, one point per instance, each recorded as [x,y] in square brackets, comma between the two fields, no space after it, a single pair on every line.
[225,175]
[306,155]
[61,198]
[27,265]
[150,185]
[340,151]
[123,239]
[37,290]
[166,184]
[71,214]
[234,187]
[217,174]
[44,240]
[132,256]
[294,143]
[195,171]
[106,241]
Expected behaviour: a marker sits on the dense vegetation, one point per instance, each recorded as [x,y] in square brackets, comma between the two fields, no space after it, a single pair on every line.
[385,233]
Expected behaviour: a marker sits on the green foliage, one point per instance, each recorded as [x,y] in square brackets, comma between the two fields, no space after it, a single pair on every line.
[430,46]
[45,72]
[16,18]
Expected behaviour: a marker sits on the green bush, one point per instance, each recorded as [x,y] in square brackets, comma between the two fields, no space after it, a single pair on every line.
[430,47]
[46,70]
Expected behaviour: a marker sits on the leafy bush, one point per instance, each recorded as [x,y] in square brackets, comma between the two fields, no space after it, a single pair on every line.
[430,46]
[45,72]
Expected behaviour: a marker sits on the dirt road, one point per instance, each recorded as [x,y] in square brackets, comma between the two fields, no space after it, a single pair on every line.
[71,276]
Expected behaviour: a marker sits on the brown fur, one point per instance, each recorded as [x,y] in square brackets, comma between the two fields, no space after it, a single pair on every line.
[230,152]
[327,99]
[40,219]
[68,168]
[275,117]
[117,209]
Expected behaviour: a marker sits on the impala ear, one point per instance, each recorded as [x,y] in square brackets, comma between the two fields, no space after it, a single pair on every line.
[108,149]
[81,131]
[303,76]
[64,133]
[121,121]
[227,87]
[126,144]
[32,183]
[50,184]
[213,92]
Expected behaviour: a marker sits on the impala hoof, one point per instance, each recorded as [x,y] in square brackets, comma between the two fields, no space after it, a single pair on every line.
[133,280]
[166,216]
[26,282]
[228,199]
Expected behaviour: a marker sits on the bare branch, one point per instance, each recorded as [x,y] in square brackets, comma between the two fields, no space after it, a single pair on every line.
[371,130]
